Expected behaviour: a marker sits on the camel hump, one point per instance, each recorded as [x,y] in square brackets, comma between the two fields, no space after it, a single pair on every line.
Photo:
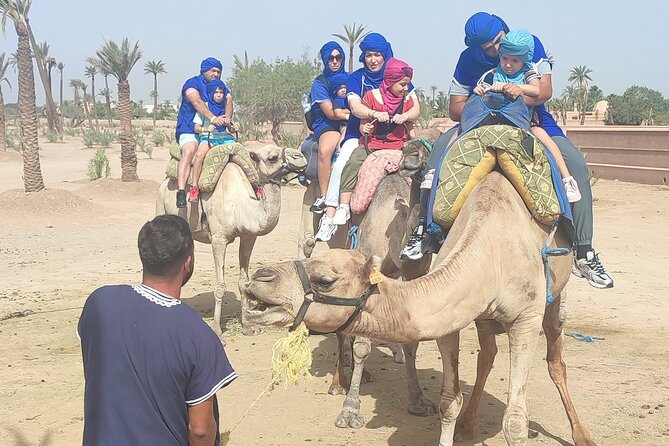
[377,165]
[214,164]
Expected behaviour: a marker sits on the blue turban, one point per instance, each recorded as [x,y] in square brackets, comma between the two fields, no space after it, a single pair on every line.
[483,27]
[519,43]
[210,63]
[375,42]
[326,52]
[336,81]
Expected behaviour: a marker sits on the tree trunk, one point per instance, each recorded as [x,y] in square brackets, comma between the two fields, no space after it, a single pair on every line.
[87,111]
[95,107]
[3,124]
[276,125]
[61,92]
[32,171]
[128,154]
[108,102]
[585,106]
[155,99]
[350,59]
[50,104]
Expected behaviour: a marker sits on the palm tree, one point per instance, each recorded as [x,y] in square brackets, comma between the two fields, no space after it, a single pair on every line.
[155,68]
[119,61]
[106,92]
[87,110]
[434,89]
[76,85]
[60,67]
[580,75]
[3,126]
[91,71]
[41,54]
[17,11]
[352,37]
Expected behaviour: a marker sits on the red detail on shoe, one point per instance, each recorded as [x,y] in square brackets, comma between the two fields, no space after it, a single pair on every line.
[194,194]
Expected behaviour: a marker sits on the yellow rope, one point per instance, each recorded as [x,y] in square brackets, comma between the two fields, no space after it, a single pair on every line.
[291,358]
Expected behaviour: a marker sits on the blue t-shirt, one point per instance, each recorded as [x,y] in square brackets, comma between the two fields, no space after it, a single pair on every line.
[147,358]
[469,70]
[186,110]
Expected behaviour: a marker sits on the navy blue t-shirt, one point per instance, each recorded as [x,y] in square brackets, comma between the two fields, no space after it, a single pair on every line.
[147,358]
[469,70]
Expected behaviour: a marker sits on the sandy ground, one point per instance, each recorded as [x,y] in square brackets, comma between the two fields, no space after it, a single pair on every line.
[59,245]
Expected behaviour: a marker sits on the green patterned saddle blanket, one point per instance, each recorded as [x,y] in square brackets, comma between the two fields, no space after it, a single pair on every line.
[521,158]
[214,163]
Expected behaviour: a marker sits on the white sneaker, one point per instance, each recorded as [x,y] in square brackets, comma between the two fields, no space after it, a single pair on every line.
[342,214]
[571,187]
[326,229]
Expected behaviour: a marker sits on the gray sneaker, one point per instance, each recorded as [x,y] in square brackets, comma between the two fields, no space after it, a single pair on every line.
[326,229]
[414,247]
[592,269]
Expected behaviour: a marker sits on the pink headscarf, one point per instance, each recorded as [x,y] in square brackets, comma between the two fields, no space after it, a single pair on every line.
[395,71]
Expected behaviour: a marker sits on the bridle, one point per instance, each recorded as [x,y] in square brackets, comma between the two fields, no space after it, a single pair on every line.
[280,174]
[311,296]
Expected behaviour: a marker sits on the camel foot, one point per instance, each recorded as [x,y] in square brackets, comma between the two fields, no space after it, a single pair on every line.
[337,389]
[584,441]
[464,431]
[367,377]
[423,408]
[251,330]
[398,353]
[350,418]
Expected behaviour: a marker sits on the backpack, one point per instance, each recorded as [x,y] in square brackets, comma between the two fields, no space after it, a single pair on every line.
[309,114]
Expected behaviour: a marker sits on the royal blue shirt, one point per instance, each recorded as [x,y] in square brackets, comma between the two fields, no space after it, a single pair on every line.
[186,109]
[147,358]
[321,93]
[469,70]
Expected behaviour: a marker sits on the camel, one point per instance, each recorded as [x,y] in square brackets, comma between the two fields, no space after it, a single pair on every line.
[383,231]
[232,211]
[489,268]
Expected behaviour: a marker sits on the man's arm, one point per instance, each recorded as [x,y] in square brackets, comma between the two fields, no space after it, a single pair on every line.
[229,109]
[194,98]
[545,91]
[335,114]
[201,424]
[455,105]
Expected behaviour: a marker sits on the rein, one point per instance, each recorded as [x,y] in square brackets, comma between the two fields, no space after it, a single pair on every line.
[311,296]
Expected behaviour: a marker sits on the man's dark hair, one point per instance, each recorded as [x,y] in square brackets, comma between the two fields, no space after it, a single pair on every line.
[164,243]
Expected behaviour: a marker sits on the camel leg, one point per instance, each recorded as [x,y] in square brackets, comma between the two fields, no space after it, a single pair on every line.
[464,429]
[451,396]
[219,244]
[418,404]
[340,382]
[246,243]
[557,369]
[350,413]
[523,338]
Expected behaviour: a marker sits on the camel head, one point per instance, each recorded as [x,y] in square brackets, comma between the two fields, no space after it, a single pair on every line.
[415,154]
[275,292]
[274,162]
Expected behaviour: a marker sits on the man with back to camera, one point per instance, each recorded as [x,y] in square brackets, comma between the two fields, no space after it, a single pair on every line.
[152,366]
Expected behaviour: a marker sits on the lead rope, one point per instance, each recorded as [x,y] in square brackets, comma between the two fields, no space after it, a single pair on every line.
[546,252]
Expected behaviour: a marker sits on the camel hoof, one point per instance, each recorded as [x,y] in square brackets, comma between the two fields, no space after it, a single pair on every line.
[251,330]
[423,408]
[337,390]
[464,431]
[350,418]
[398,357]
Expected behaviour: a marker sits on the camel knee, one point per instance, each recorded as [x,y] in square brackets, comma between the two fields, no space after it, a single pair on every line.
[515,424]
[361,350]
[449,408]
[557,370]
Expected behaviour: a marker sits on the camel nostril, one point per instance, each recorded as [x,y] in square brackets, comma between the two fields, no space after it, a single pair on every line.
[264,275]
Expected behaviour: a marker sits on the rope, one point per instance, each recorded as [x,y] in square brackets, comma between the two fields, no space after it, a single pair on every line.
[355,237]
[584,338]
[547,251]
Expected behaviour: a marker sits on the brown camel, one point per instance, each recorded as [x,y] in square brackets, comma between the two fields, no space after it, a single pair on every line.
[490,268]
[232,211]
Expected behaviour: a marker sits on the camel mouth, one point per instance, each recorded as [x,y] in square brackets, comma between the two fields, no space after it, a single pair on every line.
[257,306]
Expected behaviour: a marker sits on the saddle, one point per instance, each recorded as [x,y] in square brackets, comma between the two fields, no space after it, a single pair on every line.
[376,166]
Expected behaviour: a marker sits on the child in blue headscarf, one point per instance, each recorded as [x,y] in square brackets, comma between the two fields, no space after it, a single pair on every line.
[338,92]
[516,51]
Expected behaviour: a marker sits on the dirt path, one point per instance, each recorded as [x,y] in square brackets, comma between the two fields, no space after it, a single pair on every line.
[59,245]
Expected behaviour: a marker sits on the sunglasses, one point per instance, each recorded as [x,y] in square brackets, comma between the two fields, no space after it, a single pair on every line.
[337,58]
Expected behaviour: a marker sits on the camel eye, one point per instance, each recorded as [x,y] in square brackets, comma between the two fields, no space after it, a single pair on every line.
[272,159]
[324,282]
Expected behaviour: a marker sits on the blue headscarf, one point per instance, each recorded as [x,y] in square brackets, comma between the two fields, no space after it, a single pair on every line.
[217,108]
[326,51]
[210,63]
[481,28]
[375,42]
[336,81]
[519,43]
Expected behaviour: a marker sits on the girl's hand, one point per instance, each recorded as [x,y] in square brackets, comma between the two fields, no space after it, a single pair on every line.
[479,90]
[381,116]
[211,128]
[367,128]
[512,91]
[399,119]
[498,86]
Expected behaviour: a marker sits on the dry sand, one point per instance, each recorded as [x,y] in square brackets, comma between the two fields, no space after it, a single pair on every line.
[59,245]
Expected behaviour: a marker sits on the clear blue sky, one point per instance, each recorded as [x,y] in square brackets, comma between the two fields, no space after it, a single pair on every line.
[623,44]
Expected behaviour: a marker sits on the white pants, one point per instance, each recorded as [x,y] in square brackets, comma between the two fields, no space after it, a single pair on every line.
[345,151]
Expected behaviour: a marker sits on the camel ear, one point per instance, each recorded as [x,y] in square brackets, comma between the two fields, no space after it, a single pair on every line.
[254,156]
[372,264]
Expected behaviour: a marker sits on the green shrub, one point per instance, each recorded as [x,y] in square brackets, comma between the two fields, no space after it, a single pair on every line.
[147,128]
[52,136]
[98,166]
[89,139]
[105,138]
[12,142]
[289,139]
[144,147]
[159,138]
